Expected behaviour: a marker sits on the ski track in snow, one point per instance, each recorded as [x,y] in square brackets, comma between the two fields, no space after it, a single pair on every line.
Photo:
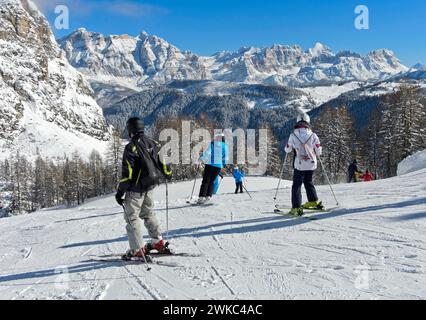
[374,247]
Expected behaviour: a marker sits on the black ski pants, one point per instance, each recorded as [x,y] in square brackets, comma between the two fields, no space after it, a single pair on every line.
[209,176]
[239,187]
[305,178]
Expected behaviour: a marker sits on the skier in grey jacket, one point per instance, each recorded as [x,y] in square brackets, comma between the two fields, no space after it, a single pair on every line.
[141,173]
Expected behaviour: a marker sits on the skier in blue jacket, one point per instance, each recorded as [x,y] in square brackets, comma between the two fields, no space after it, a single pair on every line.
[238,176]
[215,158]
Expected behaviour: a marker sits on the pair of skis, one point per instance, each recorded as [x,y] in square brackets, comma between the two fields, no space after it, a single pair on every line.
[149,259]
[116,258]
[284,211]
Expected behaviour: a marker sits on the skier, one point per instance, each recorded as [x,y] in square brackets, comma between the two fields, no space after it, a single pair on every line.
[215,158]
[353,172]
[142,171]
[307,148]
[238,176]
[368,176]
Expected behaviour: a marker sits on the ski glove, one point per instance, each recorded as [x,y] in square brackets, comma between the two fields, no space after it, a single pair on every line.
[119,197]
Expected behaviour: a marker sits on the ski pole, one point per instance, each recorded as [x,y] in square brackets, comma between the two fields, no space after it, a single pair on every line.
[167,210]
[193,187]
[281,176]
[328,180]
[148,268]
[247,192]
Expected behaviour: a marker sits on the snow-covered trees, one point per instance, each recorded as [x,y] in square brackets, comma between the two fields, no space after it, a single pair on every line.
[370,144]
[395,131]
[335,128]
[27,186]
[274,162]
[113,157]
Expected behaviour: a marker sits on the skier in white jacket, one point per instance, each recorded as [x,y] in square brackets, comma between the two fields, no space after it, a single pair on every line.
[307,147]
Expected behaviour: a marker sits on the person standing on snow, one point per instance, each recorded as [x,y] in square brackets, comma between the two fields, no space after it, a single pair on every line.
[238,176]
[353,171]
[307,147]
[215,158]
[368,176]
[142,171]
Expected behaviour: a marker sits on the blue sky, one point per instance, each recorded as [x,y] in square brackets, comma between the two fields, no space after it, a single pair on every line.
[208,26]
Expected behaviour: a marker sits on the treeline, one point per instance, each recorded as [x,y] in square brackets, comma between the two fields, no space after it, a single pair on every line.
[28,186]
[272,162]
[393,132]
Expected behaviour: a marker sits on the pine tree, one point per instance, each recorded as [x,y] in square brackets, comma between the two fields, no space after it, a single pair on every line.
[370,144]
[113,160]
[69,193]
[274,162]
[335,128]
[95,174]
[38,189]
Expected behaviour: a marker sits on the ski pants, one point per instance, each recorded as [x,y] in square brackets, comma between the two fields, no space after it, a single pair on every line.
[209,176]
[239,187]
[305,178]
[138,207]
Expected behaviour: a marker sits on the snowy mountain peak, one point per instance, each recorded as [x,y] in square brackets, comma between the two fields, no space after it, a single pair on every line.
[320,49]
[384,55]
[132,61]
[419,66]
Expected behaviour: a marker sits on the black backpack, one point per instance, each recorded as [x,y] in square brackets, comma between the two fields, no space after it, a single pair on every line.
[152,173]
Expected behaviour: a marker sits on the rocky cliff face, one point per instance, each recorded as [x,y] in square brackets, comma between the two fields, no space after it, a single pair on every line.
[136,61]
[45,103]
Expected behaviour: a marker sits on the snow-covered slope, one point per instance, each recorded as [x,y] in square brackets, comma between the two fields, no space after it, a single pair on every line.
[146,60]
[413,163]
[372,248]
[45,103]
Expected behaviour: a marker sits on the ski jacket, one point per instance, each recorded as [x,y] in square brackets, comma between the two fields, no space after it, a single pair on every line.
[353,168]
[142,168]
[368,177]
[217,155]
[238,176]
[307,146]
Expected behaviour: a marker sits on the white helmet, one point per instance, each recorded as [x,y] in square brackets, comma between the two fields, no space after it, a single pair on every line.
[304,117]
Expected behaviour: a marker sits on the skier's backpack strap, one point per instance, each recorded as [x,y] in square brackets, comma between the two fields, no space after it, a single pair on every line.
[309,154]
[151,170]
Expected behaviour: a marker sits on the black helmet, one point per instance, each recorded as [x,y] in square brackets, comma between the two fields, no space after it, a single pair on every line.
[135,126]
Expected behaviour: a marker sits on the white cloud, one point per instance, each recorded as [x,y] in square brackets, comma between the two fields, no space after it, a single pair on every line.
[87,7]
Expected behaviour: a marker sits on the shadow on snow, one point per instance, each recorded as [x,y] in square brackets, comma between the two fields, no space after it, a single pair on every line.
[267,223]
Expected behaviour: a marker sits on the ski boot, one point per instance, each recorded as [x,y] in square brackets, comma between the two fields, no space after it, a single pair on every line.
[201,200]
[139,255]
[297,212]
[314,205]
[161,247]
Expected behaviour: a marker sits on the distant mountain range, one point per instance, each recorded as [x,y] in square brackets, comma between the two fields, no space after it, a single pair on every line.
[148,60]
